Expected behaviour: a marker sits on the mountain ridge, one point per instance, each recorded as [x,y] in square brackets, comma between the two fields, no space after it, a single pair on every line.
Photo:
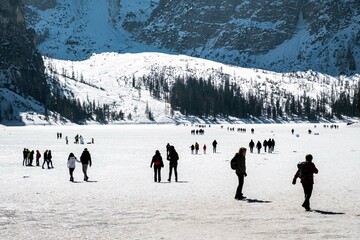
[282,36]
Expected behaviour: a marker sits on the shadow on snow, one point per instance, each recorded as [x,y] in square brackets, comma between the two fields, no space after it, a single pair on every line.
[328,213]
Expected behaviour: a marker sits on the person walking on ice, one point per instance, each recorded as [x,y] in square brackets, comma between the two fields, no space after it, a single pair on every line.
[71,165]
[240,172]
[49,159]
[306,172]
[38,156]
[173,162]
[85,159]
[45,157]
[158,164]
[214,144]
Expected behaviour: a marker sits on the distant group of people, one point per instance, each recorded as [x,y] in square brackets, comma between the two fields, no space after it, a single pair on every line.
[28,158]
[199,131]
[196,147]
[79,139]
[59,135]
[269,145]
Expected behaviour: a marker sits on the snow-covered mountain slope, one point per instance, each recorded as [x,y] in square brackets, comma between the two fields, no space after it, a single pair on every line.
[280,35]
[76,29]
[17,110]
[109,78]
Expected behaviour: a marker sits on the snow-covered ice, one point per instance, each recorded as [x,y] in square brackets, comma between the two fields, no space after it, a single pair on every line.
[121,201]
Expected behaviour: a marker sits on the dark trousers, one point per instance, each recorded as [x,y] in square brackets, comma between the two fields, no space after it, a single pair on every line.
[50,163]
[157,174]
[84,169]
[308,188]
[173,166]
[71,171]
[239,193]
[45,161]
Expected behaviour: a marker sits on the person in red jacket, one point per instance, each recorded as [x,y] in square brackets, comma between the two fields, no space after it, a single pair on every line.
[158,164]
[306,174]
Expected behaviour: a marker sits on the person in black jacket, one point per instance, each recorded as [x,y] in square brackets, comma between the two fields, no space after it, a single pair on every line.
[258,146]
[49,159]
[214,143]
[85,159]
[45,157]
[158,164]
[173,158]
[251,145]
[240,172]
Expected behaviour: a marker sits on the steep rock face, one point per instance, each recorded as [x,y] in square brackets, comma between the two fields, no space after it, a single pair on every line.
[21,65]
[221,24]
[278,35]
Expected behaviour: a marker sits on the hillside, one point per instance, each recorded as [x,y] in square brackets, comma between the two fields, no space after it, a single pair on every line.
[123,82]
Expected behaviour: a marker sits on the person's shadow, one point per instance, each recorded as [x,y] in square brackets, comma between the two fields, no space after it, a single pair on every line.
[328,212]
[256,201]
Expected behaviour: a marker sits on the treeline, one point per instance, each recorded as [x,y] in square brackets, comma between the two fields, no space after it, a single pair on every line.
[201,98]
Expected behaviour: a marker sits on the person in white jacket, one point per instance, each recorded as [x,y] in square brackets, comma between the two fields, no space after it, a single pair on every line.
[71,165]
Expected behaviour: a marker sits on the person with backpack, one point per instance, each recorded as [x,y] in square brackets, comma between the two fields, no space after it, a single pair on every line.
[71,165]
[240,170]
[173,158]
[158,164]
[306,172]
[85,159]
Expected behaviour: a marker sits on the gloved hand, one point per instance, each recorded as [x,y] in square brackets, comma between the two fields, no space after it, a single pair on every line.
[245,174]
[294,181]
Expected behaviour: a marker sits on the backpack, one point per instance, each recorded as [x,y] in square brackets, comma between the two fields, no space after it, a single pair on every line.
[303,169]
[233,163]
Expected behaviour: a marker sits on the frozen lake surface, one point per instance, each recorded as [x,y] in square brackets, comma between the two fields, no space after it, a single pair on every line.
[121,201]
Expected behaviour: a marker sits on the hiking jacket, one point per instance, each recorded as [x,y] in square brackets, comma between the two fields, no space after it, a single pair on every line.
[241,167]
[157,161]
[173,157]
[85,158]
[309,179]
[71,162]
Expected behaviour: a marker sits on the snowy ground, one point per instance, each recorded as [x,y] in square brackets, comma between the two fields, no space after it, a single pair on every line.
[122,202]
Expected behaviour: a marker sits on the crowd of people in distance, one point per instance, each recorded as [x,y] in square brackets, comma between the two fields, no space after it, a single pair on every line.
[269,145]
[28,158]
[196,147]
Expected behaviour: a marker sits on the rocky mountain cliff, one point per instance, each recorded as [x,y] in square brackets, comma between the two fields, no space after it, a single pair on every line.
[21,65]
[278,35]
